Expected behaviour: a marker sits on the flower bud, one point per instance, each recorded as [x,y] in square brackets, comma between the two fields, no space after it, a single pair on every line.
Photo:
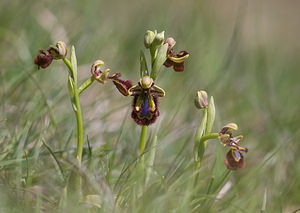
[58,52]
[62,49]
[148,38]
[158,39]
[201,99]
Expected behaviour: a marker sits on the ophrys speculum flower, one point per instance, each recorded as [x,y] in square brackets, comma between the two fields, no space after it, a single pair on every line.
[175,60]
[145,102]
[234,158]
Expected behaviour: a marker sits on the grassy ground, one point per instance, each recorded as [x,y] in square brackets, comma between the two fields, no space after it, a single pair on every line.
[244,53]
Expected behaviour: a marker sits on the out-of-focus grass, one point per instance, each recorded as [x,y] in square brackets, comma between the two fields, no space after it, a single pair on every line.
[244,53]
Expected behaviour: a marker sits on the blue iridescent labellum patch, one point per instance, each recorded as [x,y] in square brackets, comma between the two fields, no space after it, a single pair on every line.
[145,109]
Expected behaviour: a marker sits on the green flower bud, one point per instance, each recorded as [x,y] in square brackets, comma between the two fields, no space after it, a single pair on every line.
[158,39]
[201,99]
[62,49]
[148,38]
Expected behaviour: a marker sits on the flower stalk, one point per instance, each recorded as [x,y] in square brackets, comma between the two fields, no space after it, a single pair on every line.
[143,141]
[86,84]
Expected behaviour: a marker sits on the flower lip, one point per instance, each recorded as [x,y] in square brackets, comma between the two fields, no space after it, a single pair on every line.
[234,160]
[43,60]
[145,109]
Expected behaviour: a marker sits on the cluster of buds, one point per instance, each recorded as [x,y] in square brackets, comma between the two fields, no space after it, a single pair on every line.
[234,158]
[43,60]
[152,39]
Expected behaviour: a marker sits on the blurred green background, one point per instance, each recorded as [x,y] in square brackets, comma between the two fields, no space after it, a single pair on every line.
[244,53]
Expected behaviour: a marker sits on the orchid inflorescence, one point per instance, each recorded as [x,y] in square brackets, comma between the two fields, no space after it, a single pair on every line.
[145,102]
[146,94]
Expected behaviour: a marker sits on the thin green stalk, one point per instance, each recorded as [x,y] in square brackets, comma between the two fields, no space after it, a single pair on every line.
[86,84]
[143,141]
[200,151]
[209,136]
[68,63]
[79,127]
[77,110]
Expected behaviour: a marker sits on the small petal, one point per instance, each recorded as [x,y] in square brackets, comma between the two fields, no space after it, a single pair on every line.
[102,77]
[156,90]
[179,57]
[135,90]
[224,139]
[227,129]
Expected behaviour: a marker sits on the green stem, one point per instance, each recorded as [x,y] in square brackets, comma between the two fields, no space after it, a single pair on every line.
[209,136]
[86,84]
[200,151]
[143,141]
[79,126]
[153,52]
[68,63]
[78,113]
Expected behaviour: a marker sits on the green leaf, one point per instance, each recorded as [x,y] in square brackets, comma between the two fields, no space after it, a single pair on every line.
[74,64]
[71,87]
[143,68]
[211,113]
[159,60]
[199,134]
